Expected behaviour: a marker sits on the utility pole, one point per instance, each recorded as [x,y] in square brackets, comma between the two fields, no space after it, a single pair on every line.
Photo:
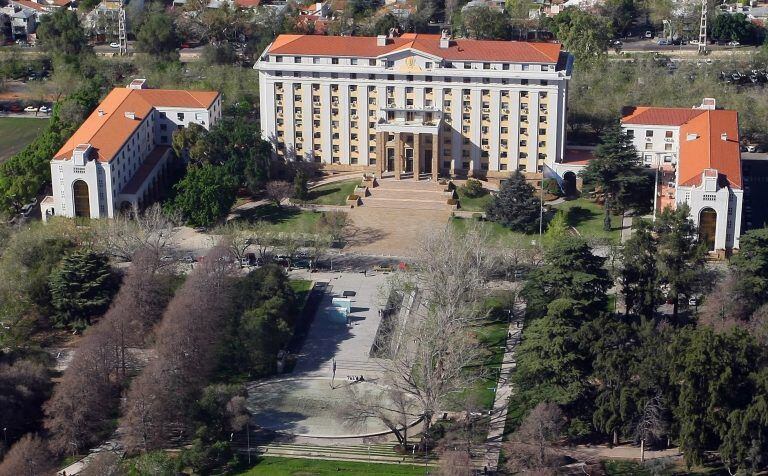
[702,47]
[122,32]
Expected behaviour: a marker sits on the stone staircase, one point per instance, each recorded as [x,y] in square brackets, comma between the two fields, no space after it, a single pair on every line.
[408,194]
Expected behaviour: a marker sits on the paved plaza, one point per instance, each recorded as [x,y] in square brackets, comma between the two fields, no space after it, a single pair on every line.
[391,232]
[350,345]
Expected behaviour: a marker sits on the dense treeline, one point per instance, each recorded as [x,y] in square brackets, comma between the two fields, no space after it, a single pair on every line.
[86,400]
[653,373]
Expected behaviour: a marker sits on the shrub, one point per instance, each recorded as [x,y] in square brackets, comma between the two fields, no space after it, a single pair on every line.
[473,188]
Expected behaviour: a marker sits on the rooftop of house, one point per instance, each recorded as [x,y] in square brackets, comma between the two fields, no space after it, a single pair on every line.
[120,113]
[458,49]
[709,139]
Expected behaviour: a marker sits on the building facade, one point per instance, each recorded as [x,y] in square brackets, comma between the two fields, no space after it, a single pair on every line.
[415,104]
[118,159]
[697,159]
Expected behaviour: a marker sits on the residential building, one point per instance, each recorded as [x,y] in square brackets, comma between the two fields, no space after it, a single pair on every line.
[415,103]
[696,155]
[119,157]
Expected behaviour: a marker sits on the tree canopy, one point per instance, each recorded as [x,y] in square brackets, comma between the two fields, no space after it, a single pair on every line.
[61,32]
[516,206]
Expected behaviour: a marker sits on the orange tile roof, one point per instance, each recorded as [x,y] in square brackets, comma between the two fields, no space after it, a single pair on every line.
[662,116]
[460,49]
[29,4]
[709,150]
[108,132]
[577,156]
[247,3]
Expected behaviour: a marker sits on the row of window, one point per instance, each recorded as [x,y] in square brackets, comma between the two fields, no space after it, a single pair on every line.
[407,78]
[427,65]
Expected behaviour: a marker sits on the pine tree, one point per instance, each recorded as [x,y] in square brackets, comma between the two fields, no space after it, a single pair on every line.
[615,169]
[679,256]
[639,276]
[300,189]
[516,206]
[557,230]
[81,288]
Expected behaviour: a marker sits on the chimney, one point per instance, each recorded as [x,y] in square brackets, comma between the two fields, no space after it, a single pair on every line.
[381,40]
[102,113]
[130,115]
[708,103]
[445,39]
[138,84]
[691,136]
[724,137]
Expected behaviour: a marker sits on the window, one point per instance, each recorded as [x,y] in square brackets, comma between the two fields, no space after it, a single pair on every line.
[709,197]
[180,116]
[648,133]
[668,134]
[630,133]
[297,59]
[648,146]
[523,82]
[667,146]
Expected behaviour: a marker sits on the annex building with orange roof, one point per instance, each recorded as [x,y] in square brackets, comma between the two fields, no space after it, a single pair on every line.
[697,158]
[415,105]
[120,156]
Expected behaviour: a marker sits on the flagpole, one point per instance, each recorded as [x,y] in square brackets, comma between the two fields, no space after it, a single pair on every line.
[541,207]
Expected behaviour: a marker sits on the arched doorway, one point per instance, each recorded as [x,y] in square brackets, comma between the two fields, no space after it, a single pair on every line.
[708,227]
[82,200]
[569,183]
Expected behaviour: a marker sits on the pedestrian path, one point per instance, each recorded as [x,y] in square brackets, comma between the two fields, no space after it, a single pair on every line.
[501,401]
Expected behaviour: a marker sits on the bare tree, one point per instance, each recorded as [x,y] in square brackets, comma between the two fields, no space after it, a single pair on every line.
[127,233]
[391,407]
[454,463]
[429,354]
[723,308]
[237,237]
[651,423]
[87,395]
[533,447]
[333,223]
[28,457]
[278,190]
[156,408]
[105,463]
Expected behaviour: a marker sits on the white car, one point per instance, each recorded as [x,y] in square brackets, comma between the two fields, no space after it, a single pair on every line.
[114,44]
[733,43]
[44,110]
[30,109]
[693,42]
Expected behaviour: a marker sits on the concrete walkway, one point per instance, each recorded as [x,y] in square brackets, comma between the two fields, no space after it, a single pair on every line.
[626,226]
[501,401]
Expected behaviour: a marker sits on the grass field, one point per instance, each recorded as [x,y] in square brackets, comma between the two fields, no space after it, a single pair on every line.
[283,219]
[504,236]
[301,287]
[17,132]
[476,204]
[587,218]
[274,466]
[333,193]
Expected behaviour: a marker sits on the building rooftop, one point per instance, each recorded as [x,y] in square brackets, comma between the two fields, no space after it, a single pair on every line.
[459,49]
[710,141]
[661,116]
[120,114]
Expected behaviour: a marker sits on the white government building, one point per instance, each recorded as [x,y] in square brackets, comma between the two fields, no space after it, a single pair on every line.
[119,157]
[415,104]
[697,157]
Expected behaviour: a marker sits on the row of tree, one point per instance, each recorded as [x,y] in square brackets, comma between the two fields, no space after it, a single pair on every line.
[649,374]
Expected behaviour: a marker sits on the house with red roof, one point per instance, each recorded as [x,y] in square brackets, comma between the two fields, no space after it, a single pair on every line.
[120,156]
[697,158]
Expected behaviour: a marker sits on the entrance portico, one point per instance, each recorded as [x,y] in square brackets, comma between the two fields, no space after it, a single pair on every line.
[408,147]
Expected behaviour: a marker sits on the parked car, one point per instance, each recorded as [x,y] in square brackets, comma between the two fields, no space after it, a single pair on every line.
[15,108]
[649,34]
[694,42]
[693,301]
[663,42]
[30,109]
[616,42]
[733,43]
[44,110]
[751,148]
[114,44]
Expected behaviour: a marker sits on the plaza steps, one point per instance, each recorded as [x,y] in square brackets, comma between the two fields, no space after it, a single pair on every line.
[408,194]
[379,453]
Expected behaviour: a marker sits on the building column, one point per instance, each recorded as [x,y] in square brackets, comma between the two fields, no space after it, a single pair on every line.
[381,153]
[435,153]
[417,155]
[398,155]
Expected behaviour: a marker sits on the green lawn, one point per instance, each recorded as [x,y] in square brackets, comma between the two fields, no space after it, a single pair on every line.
[274,466]
[301,287]
[476,204]
[333,193]
[17,132]
[504,236]
[587,217]
[282,219]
